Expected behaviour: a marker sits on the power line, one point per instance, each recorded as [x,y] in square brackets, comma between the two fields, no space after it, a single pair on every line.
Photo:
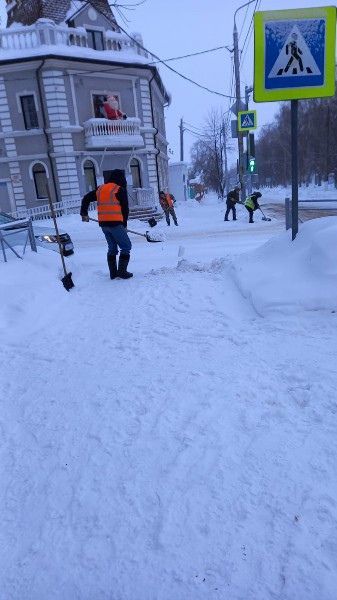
[114,69]
[249,33]
[199,85]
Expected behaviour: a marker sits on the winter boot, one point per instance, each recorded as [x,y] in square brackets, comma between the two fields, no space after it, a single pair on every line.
[112,263]
[122,266]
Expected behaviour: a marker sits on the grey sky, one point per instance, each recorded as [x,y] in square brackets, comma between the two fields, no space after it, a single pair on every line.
[177,27]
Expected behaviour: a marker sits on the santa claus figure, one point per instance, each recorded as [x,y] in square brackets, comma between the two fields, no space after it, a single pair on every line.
[111,109]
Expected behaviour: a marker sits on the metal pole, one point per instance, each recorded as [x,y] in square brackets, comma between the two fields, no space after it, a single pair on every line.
[238,102]
[294,167]
[181,127]
[288,213]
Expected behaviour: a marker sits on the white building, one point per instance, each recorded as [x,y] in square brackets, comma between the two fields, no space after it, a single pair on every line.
[60,60]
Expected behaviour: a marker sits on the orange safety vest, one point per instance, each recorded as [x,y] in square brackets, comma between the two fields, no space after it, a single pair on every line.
[169,200]
[108,205]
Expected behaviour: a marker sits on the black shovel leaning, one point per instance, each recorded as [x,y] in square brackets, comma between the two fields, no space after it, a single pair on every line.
[145,235]
[67,281]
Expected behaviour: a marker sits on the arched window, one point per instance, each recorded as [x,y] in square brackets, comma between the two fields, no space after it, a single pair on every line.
[136,173]
[40,181]
[89,176]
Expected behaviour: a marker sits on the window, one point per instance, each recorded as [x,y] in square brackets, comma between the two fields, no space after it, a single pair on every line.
[136,174]
[29,112]
[98,103]
[89,176]
[41,181]
[95,39]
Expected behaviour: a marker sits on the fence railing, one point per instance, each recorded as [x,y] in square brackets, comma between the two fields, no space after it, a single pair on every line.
[106,127]
[288,207]
[46,33]
[38,213]
[143,198]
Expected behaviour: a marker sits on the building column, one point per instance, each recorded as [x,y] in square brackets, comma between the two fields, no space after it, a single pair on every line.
[149,137]
[10,147]
[58,114]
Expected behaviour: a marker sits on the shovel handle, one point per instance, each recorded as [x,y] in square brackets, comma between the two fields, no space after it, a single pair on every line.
[128,230]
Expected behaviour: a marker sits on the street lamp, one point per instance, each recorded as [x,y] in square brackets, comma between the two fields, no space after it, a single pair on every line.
[238,95]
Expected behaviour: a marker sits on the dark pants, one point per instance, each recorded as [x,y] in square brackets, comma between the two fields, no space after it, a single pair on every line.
[168,212]
[117,237]
[251,214]
[230,207]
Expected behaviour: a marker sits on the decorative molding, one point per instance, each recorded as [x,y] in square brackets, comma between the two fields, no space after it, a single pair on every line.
[37,162]
[21,133]
[26,93]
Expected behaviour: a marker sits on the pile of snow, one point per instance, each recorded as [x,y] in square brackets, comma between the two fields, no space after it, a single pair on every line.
[285,276]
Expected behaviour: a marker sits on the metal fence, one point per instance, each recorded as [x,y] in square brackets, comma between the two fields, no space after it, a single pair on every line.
[288,207]
[39,213]
[25,231]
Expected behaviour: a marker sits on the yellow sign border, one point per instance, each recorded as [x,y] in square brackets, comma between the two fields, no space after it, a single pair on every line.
[244,112]
[328,88]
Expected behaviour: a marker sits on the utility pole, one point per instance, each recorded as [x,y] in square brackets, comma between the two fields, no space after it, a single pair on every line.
[238,104]
[248,91]
[238,97]
[181,127]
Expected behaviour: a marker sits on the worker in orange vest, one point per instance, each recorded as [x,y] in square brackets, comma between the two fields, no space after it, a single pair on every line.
[167,204]
[113,212]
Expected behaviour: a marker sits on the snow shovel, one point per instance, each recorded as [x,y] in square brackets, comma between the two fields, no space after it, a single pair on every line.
[67,281]
[145,235]
[264,218]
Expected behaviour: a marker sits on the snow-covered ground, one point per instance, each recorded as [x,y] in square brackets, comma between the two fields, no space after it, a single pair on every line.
[311,196]
[174,436]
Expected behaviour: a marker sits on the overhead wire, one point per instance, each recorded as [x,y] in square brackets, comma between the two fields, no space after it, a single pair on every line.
[185,77]
[249,34]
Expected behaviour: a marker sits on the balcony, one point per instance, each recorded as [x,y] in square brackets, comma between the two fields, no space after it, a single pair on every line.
[103,133]
[33,39]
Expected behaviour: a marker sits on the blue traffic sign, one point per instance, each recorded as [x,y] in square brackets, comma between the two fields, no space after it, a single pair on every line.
[295,54]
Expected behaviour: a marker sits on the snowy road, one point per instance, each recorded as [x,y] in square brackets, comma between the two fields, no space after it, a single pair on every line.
[160,440]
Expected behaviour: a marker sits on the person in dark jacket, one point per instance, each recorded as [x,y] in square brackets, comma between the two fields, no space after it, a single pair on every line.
[232,198]
[113,212]
[252,204]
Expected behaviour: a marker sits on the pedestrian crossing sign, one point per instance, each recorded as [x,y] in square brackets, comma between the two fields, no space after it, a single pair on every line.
[294,54]
[247,120]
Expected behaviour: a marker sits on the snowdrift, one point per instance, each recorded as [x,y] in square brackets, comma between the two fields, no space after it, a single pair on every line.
[286,277]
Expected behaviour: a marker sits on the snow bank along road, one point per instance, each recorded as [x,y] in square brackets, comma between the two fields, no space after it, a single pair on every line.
[159,439]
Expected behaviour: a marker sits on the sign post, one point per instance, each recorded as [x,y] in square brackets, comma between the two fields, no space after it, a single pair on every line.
[294,59]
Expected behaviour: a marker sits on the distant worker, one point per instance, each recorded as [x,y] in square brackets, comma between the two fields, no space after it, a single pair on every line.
[233,197]
[252,205]
[113,212]
[167,204]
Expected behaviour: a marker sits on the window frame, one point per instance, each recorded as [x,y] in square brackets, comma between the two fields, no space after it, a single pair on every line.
[19,97]
[93,33]
[106,93]
[92,168]
[42,170]
[138,167]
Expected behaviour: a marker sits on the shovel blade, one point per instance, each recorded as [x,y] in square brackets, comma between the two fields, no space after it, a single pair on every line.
[67,281]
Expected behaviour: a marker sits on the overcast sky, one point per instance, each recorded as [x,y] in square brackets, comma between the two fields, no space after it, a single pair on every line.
[173,28]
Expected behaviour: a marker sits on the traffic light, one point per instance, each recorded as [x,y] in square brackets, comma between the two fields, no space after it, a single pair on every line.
[252,165]
[250,155]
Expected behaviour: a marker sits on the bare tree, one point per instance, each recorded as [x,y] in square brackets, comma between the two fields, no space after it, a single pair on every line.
[209,153]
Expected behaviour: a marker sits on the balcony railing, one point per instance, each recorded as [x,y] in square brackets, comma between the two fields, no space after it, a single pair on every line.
[46,33]
[122,133]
